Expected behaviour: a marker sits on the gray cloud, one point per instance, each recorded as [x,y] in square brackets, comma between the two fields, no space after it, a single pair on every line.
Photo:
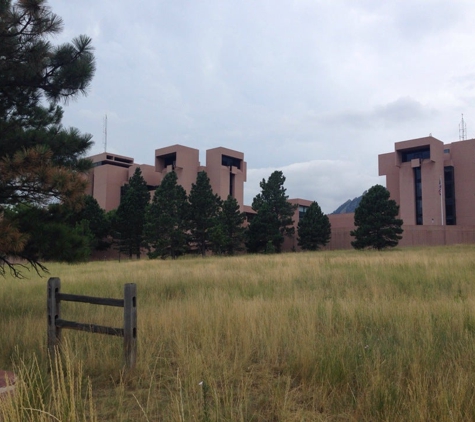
[288,83]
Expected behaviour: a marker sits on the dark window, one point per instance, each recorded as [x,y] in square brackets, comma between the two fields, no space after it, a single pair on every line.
[163,161]
[302,211]
[421,153]
[123,160]
[231,184]
[449,185]
[228,161]
[110,163]
[169,160]
[418,194]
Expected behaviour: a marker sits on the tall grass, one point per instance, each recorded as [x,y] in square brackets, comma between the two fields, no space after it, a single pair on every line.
[335,335]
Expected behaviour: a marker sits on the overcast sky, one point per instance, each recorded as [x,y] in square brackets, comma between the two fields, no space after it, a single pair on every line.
[315,88]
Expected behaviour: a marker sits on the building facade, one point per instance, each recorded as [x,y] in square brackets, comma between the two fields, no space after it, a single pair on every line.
[226,170]
[433,182]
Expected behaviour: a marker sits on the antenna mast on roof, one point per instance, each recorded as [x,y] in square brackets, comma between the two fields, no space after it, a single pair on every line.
[462,130]
[105,133]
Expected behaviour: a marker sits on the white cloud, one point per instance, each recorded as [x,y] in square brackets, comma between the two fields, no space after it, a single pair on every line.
[329,182]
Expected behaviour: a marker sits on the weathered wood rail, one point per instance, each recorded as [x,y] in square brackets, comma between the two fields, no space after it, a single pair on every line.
[56,323]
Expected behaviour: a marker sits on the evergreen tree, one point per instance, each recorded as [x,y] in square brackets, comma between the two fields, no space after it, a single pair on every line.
[204,206]
[274,215]
[40,161]
[314,228]
[228,234]
[95,218]
[131,214]
[377,225]
[52,235]
[262,233]
[34,76]
[165,226]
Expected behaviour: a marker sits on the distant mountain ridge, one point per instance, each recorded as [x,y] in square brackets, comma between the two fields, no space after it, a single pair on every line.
[349,206]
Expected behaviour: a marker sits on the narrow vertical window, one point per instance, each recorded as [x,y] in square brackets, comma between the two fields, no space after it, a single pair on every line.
[231,184]
[449,185]
[418,194]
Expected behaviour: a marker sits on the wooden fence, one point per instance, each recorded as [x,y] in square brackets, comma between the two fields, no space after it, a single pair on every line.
[56,323]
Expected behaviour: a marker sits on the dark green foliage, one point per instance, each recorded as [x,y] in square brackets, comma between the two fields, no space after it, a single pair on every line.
[228,234]
[40,161]
[377,225]
[274,216]
[314,228]
[130,217]
[165,227]
[34,76]
[204,206]
[263,233]
[95,218]
[52,236]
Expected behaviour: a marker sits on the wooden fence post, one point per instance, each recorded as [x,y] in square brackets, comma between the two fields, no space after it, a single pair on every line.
[130,324]
[56,323]
[54,313]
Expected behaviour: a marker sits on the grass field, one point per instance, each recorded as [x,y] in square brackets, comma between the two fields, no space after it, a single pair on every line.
[327,336]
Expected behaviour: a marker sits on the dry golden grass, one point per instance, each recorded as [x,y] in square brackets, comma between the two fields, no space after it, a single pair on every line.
[327,336]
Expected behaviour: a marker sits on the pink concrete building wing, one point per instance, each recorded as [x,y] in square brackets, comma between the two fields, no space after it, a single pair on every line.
[225,168]
[432,182]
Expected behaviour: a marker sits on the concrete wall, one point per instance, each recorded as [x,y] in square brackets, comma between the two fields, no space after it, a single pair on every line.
[186,164]
[462,157]
[107,177]
[437,235]
[220,176]
[400,180]
[341,224]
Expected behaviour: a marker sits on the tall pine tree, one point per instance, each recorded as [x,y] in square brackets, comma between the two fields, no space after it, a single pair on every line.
[377,225]
[204,206]
[228,233]
[165,226]
[314,228]
[40,161]
[96,219]
[131,215]
[273,220]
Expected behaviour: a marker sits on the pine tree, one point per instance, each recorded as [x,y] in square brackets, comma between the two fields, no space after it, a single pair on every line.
[273,220]
[40,161]
[34,76]
[314,228]
[228,233]
[95,218]
[165,226]
[53,236]
[131,214]
[377,225]
[204,206]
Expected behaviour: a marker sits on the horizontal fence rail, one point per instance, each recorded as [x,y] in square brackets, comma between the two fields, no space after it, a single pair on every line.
[92,300]
[56,323]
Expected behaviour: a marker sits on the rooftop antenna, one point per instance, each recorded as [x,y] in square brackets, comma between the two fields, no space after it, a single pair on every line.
[462,130]
[105,133]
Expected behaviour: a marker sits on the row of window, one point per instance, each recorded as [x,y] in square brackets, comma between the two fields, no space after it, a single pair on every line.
[421,153]
[449,195]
